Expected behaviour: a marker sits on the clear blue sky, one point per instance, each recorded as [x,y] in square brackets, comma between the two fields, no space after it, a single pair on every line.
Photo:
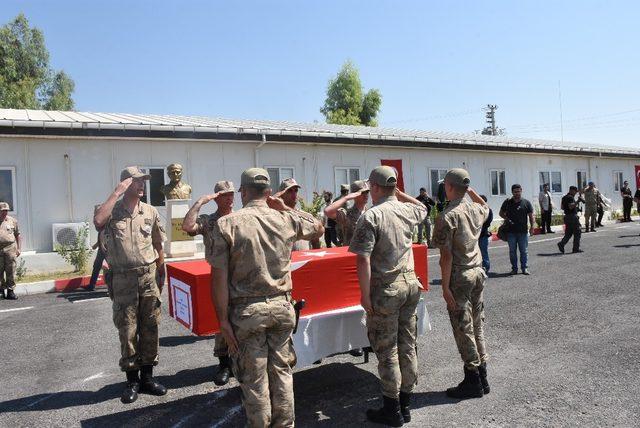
[437,63]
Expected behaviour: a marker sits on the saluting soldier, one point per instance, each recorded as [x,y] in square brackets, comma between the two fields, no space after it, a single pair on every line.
[390,290]
[252,295]
[132,236]
[348,217]
[223,193]
[288,192]
[456,234]
[9,252]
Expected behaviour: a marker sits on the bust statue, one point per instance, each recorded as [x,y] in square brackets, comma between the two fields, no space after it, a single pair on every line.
[176,189]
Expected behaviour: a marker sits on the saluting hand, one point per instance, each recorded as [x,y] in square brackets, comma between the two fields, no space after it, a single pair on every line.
[229,336]
[276,203]
[208,198]
[123,186]
[354,195]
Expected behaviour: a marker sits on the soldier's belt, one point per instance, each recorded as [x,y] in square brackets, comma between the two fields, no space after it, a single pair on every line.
[141,270]
[409,275]
[248,300]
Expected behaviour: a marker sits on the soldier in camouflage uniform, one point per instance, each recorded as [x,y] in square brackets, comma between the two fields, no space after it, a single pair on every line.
[288,192]
[9,251]
[223,193]
[390,290]
[591,197]
[346,218]
[252,295]
[132,236]
[456,235]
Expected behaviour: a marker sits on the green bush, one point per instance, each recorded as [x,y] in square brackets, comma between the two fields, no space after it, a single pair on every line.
[21,270]
[314,207]
[76,253]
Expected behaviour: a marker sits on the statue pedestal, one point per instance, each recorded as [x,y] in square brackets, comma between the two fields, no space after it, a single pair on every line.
[179,243]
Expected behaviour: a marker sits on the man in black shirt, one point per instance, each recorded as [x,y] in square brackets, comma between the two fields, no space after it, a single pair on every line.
[516,211]
[330,233]
[627,201]
[571,221]
[426,224]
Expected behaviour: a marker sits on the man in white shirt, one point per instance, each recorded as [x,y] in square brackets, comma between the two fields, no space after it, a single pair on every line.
[546,206]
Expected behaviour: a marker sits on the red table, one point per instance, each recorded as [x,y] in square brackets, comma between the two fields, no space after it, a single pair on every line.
[326,279]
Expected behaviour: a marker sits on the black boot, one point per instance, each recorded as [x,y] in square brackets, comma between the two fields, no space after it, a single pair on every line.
[470,387]
[405,405]
[11,295]
[482,370]
[224,372]
[389,414]
[2,294]
[130,393]
[148,385]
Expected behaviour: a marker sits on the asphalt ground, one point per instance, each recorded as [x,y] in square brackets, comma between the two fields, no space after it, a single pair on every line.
[564,344]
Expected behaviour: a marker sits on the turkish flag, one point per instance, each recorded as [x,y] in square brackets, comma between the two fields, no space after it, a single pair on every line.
[397,165]
[637,176]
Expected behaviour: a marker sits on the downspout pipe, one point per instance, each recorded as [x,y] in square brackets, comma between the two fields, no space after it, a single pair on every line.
[256,151]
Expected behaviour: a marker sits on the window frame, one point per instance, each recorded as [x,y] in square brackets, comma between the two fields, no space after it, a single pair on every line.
[585,179]
[147,184]
[431,184]
[550,172]
[274,185]
[498,171]
[14,185]
[618,180]
[348,169]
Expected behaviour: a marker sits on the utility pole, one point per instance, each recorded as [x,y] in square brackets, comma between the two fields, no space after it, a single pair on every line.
[491,120]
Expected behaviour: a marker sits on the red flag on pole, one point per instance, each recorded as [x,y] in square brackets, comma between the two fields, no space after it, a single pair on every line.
[397,165]
[637,176]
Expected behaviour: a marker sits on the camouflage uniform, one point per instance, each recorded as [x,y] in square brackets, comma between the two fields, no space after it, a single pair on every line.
[8,252]
[347,218]
[458,229]
[254,246]
[128,241]
[591,196]
[385,234]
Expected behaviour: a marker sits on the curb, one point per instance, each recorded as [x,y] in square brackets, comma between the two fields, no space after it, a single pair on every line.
[65,285]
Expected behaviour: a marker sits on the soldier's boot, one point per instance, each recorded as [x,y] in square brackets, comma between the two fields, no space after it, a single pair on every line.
[149,385]
[224,371]
[2,294]
[388,414]
[482,370]
[130,393]
[405,406]
[11,295]
[470,387]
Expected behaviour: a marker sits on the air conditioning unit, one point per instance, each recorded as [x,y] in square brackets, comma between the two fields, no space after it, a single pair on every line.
[68,233]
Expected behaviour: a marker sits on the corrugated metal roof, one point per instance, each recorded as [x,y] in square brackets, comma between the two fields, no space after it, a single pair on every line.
[152,122]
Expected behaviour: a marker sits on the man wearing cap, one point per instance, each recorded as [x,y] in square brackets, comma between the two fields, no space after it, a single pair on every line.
[571,221]
[252,295]
[348,217]
[390,290]
[9,251]
[344,191]
[223,193]
[591,196]
[288,192]
[132,236]
[456,234]
[627,201]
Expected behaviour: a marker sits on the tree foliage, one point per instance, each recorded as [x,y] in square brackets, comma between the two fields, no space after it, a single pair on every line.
[346,104]
[26,80]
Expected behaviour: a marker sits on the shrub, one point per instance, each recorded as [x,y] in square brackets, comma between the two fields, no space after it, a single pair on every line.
[21,270]
[76,253]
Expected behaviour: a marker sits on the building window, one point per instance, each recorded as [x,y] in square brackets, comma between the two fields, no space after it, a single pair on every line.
[344,175]
[8,186]
[277,174]
[435,175]
[617,180]
[498,182]
[152,194]
[581,179]
[553,179]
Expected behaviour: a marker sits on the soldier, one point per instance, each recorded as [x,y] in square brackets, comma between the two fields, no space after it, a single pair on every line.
[344,191]
[456,235]
[390,290]
[426,224]
[288,192]
[627,201]
[571,221]
[591,197]
[132,236]
[9,251]
[348,217]
[252,295]
[330,235]
[223,193]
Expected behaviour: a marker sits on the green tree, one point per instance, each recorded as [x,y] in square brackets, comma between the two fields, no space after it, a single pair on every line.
[346,104]
[26,80]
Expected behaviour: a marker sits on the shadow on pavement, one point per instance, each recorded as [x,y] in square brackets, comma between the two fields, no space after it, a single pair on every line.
[628,236]
[171,341]
[83,295]
[61,400]
[557,253]
[437,281]
[499,275]
[431,398]
[626,246]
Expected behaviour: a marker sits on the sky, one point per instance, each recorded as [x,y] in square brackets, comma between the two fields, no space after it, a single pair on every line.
[437,64]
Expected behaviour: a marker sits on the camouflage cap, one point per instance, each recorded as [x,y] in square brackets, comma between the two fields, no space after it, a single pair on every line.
[133,172]
[359,185]
[458,177]
[223,187]
[255,177]
[288,183]
[4,206]
[344,187]
[384,176]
